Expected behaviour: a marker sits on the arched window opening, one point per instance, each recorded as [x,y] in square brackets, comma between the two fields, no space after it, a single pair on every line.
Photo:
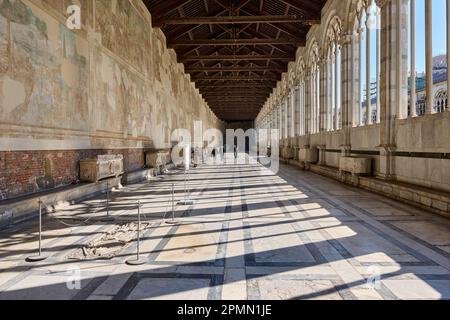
[314,86]
[333,105]
[440,101]
[301,98]
[368,31]
[427,59]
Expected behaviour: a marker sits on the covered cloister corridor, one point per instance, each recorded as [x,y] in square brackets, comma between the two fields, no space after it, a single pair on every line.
[332,116]
[250,234]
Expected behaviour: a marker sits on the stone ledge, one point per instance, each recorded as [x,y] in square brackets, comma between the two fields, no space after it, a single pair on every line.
[432,200]
[142,174]
[296,163]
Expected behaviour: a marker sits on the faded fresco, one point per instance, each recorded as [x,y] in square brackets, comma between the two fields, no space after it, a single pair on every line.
[124,31]
[112,84]
[111,87]
[43,70]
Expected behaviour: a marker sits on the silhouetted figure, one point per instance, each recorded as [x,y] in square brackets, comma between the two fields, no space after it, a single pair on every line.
[235,152]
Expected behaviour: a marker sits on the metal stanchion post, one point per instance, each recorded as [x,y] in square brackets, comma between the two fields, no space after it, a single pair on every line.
[108,218]
[40,256]
[138,261]
[173,221]
[187,199]
[187,162]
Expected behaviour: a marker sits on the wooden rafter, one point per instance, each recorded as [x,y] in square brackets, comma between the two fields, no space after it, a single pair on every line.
[236,57]
[235,20]
[235,50]
[232,69]
[231,42]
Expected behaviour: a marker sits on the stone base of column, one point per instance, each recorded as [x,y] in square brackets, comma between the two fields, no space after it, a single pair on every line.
[322,155]
[387,162]
[346,150]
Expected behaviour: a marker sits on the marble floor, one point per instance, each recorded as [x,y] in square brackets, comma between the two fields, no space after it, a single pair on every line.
[251,234]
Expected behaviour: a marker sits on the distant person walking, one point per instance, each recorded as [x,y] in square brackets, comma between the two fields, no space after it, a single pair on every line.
[235,152]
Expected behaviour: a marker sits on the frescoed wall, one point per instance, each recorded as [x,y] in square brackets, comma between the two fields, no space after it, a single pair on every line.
[111,87]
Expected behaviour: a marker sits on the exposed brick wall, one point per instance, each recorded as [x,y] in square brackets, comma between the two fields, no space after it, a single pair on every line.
[23,172]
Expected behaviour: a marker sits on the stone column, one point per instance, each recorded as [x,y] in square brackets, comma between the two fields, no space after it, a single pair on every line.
[391,61]
[336,89]
[270,126]
[448,52]
[313,109]
[297,111]
[293,107]
[326,91]
[307,103]
[323,96]
[357,47]
[403,54]
[368,59]
[302,108]
[280,121]
[378,26]
[281,108]
[429,55]
[413,98]
[285,118]
[289,115]
[347,90]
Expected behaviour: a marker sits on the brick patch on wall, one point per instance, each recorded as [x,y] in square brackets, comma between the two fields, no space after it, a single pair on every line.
[24,172]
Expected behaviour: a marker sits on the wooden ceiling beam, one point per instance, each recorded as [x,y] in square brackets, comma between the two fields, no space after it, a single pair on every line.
[237,100]
[167,7]
[223,92]
[240,5]
[223,4]
[238,107]
[248,57]
[235,20]
[235,78]
[236,85]
[252,9]
[236,95]
[235,90]
[232,42]
[232,69]
[191,50]
[306,7]
[177,33]
[280,46]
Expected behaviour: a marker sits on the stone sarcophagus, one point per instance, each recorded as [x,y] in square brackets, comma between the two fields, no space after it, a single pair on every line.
[308,155]
[157,159]
[104,166]
[355,165]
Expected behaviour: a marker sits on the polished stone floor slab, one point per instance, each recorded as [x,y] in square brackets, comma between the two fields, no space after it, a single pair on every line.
[251,234]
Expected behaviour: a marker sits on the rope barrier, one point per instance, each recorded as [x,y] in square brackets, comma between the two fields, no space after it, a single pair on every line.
[94,210]
[84,222]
